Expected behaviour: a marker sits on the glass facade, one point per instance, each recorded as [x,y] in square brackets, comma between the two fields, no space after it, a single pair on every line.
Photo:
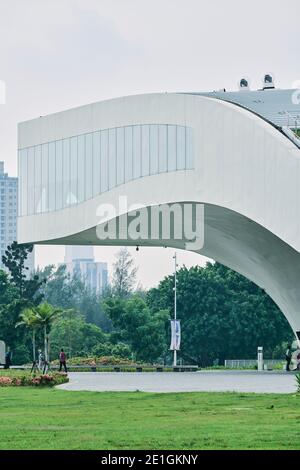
[59,174]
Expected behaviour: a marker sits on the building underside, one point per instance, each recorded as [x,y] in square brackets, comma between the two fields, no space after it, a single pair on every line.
[235,155]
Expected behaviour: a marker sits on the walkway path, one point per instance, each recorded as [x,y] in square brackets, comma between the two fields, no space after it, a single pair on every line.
[211,381]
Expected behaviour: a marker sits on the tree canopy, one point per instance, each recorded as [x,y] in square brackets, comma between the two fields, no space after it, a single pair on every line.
[144,330]
[124,274]
[223,315]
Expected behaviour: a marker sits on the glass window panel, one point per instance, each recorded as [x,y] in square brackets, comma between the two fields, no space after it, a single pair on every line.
[52,188]
[104,161]
[137,151]
[38,179]
[112,157]
[189,148]
[88,166]
[73,197]
[163,148]
[172,148]
[96,164]
[45,179]
[66,172]
[180,147]
[153,149]
[145,150]
[128,153]
[23,178]
[81,168]
[120,155]
[30,180]
[59,174]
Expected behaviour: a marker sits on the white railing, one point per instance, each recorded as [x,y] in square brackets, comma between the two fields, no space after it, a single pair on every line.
[237,363]
[293,136]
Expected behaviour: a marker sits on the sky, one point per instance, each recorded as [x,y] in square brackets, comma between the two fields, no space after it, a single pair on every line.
[58,54]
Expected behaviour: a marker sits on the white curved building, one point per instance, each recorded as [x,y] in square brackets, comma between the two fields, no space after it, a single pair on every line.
[235,153]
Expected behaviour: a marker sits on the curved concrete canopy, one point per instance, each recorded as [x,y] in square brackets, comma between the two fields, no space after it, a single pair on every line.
[241,168]
[279,107]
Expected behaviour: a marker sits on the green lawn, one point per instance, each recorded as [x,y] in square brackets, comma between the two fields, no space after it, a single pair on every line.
[55,419]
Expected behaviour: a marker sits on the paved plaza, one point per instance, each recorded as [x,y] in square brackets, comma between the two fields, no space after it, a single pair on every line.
[202,381]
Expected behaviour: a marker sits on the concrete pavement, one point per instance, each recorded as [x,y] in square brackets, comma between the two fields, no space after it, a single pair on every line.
[209,381]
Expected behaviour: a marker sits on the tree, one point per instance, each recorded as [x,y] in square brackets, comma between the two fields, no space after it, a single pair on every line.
[18,291]
[8,292]
[59,289]
[223,315]
[77,337]
[28,287]
[29,319]
[255,318]
[70,292]
[10,309]
[11,306]
[124,274]
[136,325]
[45,315]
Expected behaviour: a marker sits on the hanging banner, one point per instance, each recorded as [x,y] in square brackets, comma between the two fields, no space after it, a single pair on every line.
[175,335]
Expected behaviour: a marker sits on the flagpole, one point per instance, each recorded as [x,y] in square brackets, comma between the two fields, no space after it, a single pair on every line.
[175,305]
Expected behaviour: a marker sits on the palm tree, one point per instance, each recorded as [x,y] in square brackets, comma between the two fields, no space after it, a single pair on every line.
[45,315]
[29,319]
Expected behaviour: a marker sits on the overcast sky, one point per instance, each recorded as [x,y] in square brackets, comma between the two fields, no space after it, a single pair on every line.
[57,54]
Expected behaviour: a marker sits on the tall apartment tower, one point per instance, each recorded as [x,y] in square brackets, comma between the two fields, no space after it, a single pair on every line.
[80,260]
[8,210]
[9,214]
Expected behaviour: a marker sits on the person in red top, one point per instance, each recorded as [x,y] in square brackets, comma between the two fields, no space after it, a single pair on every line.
[62,360]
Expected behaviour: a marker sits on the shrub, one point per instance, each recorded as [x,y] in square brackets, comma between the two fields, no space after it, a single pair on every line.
[21,355]
[22,380]
[121,350]
[102,349]
[92,360]
[5,381]
[112,360]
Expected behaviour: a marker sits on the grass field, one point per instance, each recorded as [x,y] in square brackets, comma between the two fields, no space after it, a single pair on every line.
[54,419]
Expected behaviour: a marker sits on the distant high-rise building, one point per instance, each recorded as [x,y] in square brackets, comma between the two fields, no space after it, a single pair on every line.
[78,252]
[9,213]
[80,260]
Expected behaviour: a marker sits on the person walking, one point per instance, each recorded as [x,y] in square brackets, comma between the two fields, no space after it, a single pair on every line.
[288,358]
[41,360]
[62,361]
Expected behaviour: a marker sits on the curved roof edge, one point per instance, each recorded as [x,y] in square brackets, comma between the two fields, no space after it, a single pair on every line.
[280,108]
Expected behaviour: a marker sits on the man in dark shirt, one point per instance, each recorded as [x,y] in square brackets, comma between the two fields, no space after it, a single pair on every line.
[62,361]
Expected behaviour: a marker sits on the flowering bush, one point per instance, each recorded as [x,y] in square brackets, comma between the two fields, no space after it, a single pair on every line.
[17,381]
[5,381]
[33,380]
[36,380]
[94,360]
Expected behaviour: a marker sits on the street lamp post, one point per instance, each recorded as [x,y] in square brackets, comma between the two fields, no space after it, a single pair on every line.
[175,305]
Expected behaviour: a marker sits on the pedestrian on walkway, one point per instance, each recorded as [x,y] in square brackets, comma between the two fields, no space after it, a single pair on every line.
[62,361]
[288,357]
[41,360]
